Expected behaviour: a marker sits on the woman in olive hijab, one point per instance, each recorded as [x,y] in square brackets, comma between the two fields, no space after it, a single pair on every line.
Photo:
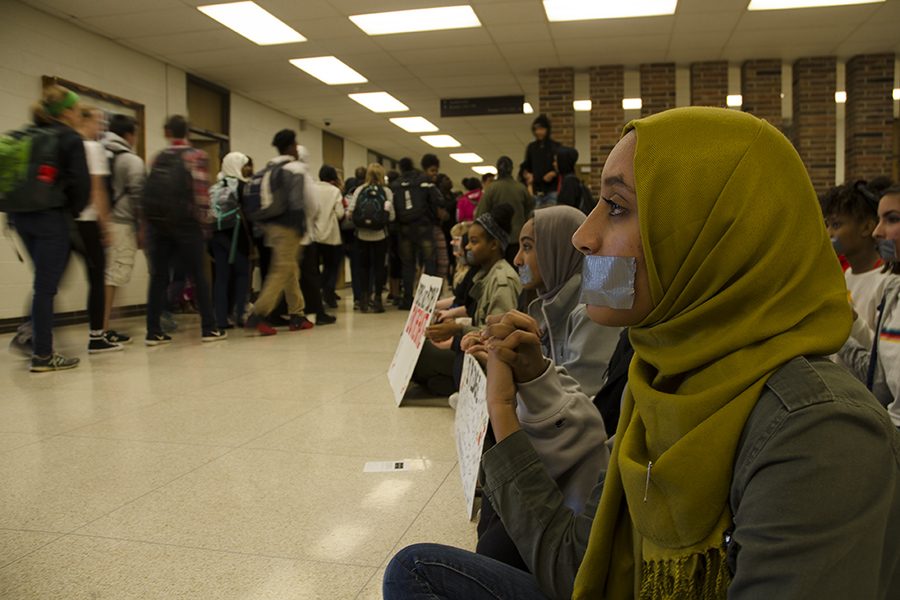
[744,465]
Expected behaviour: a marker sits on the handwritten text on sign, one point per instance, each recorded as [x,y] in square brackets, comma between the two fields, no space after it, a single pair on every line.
[413,336]
[471,427]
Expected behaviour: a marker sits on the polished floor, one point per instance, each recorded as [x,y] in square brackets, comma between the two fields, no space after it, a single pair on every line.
[227,470]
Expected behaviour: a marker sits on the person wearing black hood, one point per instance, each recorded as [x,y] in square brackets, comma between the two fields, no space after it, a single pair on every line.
[570,187]
[539,162]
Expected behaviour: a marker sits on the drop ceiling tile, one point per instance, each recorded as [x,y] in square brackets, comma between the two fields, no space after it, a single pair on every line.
[178,19]
[706,6]
[710,21]
[612,27]
[511,13]
[519,32]
[785,37]
[99,8]
[175,43]
[850,16]
[323,29]
[432,56]
[410,42]
[541,53]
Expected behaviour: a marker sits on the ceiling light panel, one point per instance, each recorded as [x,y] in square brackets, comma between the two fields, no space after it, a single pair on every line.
[581,10]
[379,102]
[253,22]
[328,69]
[441,141]
[414,124]
[786,4]
[466,158]
[582,105]
[422,19]
[485,169]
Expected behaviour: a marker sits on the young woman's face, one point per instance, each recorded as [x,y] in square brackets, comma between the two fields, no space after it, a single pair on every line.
[528,256]
[247,170]
[889,219]
[483,247]
[852,235]
[613,229]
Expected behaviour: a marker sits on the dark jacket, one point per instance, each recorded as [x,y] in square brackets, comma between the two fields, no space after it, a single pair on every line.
[539,162]
[815,495]
[74,178]
[570,187]
[609,399]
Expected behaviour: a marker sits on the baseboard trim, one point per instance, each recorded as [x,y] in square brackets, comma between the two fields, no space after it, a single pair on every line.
[76,317]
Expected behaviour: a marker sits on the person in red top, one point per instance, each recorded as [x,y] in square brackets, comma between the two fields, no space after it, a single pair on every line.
[468,202]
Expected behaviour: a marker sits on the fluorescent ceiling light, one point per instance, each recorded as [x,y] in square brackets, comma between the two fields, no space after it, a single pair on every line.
[734,100]
[422,19]
[328,69]
[485,169]
[632,103]
[840,97]
[582,105]
[783,4]
[414,124]
[380,102]
[253,22]
[582,10]
[466,158]
[441,141]
[895,93]
[527,108]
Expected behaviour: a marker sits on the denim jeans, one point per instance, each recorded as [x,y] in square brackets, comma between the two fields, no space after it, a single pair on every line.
[415,242]
[331,257]
[46,236]
[163,249]
[435,572]
[220,245]
[545,200]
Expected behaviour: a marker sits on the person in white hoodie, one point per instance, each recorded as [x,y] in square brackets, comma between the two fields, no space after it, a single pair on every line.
[878,365]
[327,229]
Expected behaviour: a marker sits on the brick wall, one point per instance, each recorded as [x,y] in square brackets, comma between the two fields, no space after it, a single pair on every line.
[869,116]
[556,88]
[657,88]
[761,89]
[709,83]
[814,126]
[607,86]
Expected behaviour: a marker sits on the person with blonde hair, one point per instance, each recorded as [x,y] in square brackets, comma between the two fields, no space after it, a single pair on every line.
[42,208]
[372,208]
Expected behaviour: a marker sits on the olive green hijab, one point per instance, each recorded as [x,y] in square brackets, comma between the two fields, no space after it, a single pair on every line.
[743,279]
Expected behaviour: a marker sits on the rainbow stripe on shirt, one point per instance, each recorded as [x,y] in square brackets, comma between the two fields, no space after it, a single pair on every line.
[890,335]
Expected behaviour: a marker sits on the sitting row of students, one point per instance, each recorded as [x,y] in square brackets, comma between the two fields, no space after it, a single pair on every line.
[745,463]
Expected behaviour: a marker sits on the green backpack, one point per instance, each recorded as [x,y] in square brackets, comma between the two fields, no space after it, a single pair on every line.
[29,170]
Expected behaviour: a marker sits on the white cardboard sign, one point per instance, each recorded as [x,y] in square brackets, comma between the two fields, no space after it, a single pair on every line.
[471,427]
[413,336]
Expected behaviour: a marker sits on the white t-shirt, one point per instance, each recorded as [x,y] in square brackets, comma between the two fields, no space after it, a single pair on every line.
[866,290]
[97,164]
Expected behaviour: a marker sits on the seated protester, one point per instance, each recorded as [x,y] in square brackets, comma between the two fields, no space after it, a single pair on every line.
[733,423]
[230,243]
[495,289]
[459,305]
[549,264]
[878,365]
[851,215]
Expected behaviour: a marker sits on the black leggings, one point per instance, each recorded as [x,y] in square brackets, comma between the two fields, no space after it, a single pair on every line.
[91,250]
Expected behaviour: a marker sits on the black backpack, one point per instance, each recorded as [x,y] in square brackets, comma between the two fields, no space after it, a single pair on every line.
[412,198]
[369,212]
[112,155]
[168,200]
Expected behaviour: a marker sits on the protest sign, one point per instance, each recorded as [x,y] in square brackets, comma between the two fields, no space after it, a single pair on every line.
[413,335]
[471,427]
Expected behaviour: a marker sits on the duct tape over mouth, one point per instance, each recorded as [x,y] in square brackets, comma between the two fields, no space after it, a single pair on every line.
[887,249]
[608,281]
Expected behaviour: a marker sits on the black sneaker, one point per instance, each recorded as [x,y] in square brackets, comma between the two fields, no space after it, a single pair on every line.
[325,319]
[404,305]
[115,337]
[214,335]
[157,339]
[54,362]
[99,344]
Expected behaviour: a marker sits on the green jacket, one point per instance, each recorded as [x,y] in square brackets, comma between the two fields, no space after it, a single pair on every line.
[495,292]
[815,496]
[507,190]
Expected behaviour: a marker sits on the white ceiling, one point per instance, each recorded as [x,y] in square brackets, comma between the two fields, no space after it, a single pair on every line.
[500,58]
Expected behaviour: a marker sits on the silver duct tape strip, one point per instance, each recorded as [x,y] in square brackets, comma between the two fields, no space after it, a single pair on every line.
[526,277]
[888,250]
[608,281]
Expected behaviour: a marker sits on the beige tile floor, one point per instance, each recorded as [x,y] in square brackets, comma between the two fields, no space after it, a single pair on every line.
[232,470]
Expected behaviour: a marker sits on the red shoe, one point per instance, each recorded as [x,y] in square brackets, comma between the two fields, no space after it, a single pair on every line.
[299,323]
[256,325]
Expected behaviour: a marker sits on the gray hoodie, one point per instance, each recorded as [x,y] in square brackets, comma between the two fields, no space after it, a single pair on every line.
[128,175]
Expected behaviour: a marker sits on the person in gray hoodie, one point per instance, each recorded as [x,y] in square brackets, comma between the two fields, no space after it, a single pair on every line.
[568,433]
[127,185]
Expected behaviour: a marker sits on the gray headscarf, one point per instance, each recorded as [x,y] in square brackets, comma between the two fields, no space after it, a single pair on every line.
[557,258]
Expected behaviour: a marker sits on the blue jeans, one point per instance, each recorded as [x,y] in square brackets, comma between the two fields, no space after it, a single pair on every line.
[436,572]
[545,200]
[163,249]
[415,243]
[46,235]
[220,245]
